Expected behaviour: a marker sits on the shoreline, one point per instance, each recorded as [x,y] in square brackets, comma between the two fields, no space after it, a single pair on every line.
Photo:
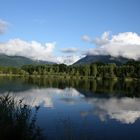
[68,77]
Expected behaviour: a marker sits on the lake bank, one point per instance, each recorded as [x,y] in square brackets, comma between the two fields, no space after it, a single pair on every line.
[72,77]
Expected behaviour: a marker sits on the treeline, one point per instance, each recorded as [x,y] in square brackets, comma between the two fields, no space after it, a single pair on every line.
[12,70]
[130,69]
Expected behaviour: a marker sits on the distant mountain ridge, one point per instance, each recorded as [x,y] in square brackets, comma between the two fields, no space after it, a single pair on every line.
[102,58]
[18,61]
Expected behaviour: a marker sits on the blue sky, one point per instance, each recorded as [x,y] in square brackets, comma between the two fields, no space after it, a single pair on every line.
[66,21]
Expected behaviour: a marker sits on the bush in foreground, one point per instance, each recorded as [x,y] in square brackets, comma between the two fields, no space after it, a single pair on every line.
[17,120]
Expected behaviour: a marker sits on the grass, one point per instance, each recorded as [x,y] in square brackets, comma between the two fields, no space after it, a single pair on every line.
[17,120]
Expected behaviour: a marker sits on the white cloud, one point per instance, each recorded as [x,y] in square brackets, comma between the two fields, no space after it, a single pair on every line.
[68,60]
[123,44]
[37,51]
[3,26]
[103,40]
[86,38]
[32,49]
[69,50]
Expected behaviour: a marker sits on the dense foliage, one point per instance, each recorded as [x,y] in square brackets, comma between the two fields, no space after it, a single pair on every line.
[130,69]
[17,120]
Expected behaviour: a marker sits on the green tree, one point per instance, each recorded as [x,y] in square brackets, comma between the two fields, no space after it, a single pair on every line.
[93,70]
[111,70]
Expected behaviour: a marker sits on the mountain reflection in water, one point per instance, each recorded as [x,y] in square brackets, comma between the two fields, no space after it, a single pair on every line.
[94,103]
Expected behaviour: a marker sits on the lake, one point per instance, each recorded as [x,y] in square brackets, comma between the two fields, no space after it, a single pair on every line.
[80,109]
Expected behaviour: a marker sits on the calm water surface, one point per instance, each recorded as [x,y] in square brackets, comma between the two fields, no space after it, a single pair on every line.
[81,110]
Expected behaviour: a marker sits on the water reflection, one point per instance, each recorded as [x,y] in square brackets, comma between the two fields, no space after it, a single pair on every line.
[44,97]
[89,105]
[126,110]
[109,87]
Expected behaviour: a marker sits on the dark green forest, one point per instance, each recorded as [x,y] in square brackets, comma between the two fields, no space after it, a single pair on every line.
[129,70]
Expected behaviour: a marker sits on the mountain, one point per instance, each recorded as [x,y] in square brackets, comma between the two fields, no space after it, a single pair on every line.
[102,58]
[17,61]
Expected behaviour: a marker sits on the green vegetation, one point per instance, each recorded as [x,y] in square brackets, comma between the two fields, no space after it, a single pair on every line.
[95,70]
[18,61]
[17,120]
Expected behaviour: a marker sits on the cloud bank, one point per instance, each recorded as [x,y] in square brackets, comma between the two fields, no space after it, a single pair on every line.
[123,44]
[37,51]
[3,26]
[33,49]
[70,59]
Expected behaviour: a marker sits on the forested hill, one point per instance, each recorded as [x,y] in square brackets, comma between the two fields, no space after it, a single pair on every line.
[17,61]
[94,70]
[102,58]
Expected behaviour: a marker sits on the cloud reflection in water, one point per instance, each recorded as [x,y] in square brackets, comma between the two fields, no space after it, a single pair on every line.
[125,110]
